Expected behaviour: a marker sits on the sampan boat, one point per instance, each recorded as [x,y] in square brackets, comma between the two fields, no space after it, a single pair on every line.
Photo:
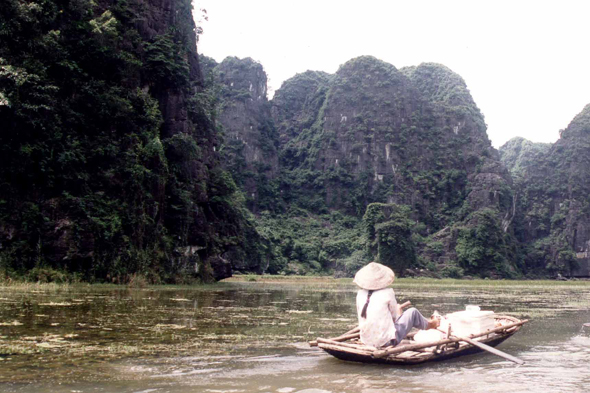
[348,346]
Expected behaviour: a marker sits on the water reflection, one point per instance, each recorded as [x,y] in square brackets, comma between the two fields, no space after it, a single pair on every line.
[251,337]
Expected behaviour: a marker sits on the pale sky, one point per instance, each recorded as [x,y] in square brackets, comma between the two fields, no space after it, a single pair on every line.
[526,63]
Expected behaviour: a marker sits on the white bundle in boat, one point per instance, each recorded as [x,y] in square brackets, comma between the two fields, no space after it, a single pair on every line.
[427,336]
[470,321]
[463,324]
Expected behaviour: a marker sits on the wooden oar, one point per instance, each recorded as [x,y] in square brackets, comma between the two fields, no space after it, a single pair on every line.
[486,347]
[354,333]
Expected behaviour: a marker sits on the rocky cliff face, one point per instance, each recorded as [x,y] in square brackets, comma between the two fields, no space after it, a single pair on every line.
[109,162]
[373,133]
[388,127]
[119,159]
[413,137]
[522,156]
[250,141]
[552,187]
[297,103]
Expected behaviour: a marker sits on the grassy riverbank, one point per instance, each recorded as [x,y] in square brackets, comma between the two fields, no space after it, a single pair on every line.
[408,282]
[323,280]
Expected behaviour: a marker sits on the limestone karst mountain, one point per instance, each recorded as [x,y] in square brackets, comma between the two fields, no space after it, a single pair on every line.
[414,137]
[552,184]
[250,139]
[108,168]
[127,157]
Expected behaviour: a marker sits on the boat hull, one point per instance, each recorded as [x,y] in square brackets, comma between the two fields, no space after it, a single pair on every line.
[441,352]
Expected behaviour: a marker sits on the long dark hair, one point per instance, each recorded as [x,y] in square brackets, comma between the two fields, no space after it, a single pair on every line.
[364,312]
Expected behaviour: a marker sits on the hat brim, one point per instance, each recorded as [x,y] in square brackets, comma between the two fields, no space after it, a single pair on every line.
[374,276]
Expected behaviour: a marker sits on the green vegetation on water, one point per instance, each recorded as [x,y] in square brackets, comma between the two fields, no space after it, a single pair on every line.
[122,329]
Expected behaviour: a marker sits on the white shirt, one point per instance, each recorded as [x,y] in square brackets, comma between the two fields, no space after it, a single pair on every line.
[378,328]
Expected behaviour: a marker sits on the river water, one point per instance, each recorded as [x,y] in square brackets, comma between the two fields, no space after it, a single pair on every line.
[242,336]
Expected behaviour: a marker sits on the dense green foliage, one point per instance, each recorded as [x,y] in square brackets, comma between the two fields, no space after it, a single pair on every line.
[95,179]
[519,155]
[343,147]
[552,185]
[249,140]
[304,243]
[123,157]
[482,246]
[355,142]
[389,235]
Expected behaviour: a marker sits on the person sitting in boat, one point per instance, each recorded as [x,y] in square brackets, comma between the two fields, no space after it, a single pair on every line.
[381,320]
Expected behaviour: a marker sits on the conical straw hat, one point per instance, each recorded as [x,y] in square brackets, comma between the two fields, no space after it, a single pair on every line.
[374,276]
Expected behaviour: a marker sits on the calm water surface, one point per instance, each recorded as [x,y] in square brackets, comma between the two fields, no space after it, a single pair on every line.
[252,337]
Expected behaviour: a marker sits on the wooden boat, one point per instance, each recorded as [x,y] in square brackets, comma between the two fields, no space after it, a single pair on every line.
[348,346]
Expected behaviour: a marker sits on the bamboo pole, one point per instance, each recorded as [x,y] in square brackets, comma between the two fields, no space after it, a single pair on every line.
[349,350]
[346,345]
[345,337]
[411,347]
[352,331]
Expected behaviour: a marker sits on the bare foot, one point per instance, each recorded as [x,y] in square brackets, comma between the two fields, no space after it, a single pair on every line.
[433,323]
